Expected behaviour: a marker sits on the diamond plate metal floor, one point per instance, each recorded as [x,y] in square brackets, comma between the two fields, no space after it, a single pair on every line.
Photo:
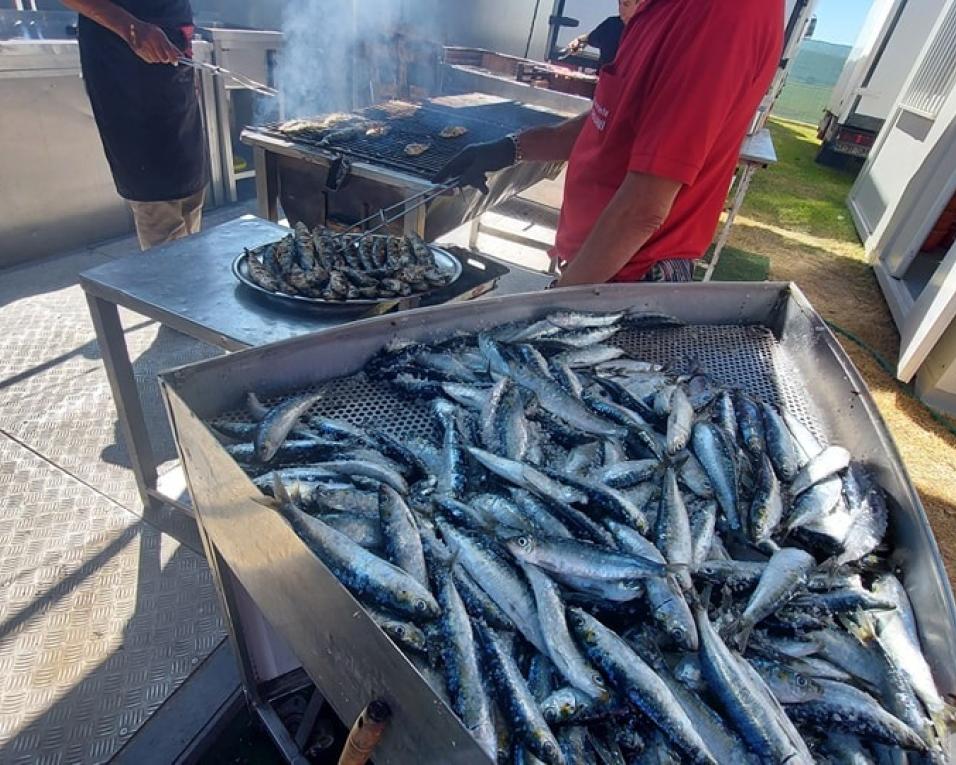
[102,616]
[54,394]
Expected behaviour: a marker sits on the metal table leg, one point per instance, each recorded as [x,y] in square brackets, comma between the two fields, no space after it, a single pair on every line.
[414,221]
[129,409]
[267,184]
[473,233]
[747,172]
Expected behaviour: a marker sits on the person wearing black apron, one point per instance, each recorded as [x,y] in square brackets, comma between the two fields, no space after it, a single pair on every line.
[146,109]
[606,37]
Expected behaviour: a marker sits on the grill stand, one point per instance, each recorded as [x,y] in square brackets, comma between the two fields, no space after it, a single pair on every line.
[296,174]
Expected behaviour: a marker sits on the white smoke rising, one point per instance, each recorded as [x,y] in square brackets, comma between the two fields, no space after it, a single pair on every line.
[317,72]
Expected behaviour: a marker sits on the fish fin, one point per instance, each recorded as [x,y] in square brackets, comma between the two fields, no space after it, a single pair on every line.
[279,492]
[676,568]
[861,625]
[674,460]
[453,560]
[257,410]
[225,438]
[266,501]
[743,637]
[944,721]
[700,599]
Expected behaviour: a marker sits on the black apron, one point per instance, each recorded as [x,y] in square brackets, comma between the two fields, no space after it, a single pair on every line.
[148,115]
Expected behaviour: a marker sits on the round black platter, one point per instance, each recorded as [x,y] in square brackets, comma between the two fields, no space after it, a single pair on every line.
[444,261]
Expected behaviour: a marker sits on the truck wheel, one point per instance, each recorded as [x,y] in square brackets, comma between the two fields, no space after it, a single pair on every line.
[828,157]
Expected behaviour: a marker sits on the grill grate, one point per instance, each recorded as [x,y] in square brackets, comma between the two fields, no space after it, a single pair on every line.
[746,357]
[485,122]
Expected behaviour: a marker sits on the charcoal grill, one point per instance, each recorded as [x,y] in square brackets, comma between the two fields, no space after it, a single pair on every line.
[302,172]
[286,611]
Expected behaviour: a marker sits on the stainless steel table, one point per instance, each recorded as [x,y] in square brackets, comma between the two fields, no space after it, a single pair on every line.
[188,285]
[757,152]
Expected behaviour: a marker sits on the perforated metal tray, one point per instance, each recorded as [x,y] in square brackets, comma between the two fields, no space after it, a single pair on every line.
[746,357]
[763,337]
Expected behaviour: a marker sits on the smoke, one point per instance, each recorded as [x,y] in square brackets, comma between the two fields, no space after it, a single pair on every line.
[337,54]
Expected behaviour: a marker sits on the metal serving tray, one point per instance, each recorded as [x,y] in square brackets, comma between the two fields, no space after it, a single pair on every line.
[285,608]
[445,261]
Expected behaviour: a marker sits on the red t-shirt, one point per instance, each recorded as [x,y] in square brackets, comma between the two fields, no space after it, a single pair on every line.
[675,103]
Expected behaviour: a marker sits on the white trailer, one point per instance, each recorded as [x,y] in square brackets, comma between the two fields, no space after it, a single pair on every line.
[892,37]
[904,207]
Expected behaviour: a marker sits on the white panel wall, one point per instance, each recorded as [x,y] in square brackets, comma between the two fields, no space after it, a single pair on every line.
[909,36]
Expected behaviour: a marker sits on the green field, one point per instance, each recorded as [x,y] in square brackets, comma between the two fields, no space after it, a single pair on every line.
[800,102]
[819,63]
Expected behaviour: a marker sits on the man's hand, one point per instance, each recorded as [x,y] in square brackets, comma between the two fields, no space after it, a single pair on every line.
[578,43]
[472,164]
[151,44]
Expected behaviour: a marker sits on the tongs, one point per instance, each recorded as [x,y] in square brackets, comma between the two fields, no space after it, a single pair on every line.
[388,215]
[256,87]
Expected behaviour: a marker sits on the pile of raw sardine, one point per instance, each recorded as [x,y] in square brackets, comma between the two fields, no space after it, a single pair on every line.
[598,560]
[319,265]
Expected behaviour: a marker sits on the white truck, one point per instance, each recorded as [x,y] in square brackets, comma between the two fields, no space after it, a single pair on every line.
[892,37]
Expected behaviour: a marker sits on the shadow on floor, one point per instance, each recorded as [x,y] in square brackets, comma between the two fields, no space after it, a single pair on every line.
[165,637]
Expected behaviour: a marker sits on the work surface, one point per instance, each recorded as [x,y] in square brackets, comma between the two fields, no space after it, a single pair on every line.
[189,285]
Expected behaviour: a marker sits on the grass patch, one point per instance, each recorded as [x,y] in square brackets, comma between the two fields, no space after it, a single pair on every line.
[797,193]
[737,265]
[801,102]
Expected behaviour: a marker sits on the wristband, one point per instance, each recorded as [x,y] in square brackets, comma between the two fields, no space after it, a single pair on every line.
[515,140]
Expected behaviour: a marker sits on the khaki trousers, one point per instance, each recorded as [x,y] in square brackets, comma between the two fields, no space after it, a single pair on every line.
[160,222]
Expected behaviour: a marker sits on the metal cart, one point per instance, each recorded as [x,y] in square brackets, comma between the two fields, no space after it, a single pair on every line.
[286,611]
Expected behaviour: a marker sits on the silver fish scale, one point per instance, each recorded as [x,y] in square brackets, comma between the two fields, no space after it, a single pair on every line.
[746,357]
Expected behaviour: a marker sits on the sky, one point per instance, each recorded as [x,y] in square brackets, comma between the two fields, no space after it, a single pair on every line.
[839,21]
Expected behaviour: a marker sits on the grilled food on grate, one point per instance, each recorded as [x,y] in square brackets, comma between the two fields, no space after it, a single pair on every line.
[453,131]
[314,264]
[417,149]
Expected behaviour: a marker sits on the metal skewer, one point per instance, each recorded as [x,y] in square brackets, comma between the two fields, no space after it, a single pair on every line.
[388,215]
[252,85]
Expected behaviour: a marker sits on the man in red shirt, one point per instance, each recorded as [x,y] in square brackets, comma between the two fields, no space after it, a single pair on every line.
[649,167]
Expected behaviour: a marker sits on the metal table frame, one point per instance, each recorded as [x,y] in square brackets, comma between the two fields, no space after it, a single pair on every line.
[145,283]
[758,152]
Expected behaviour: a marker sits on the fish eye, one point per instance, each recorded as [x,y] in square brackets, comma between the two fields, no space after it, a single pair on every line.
[678,634]
[801,681]
[523,541]
[549,747]
[400,630]
[421,605]
[598,680]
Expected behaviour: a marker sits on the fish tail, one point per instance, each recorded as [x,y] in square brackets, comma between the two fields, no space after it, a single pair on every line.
[861,625]
[944,721]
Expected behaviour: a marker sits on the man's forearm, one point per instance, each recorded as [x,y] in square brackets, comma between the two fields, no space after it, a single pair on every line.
[548,144]
[106,14]
[635,213]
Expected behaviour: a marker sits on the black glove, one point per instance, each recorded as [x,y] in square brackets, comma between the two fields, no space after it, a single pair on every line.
[472,163]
